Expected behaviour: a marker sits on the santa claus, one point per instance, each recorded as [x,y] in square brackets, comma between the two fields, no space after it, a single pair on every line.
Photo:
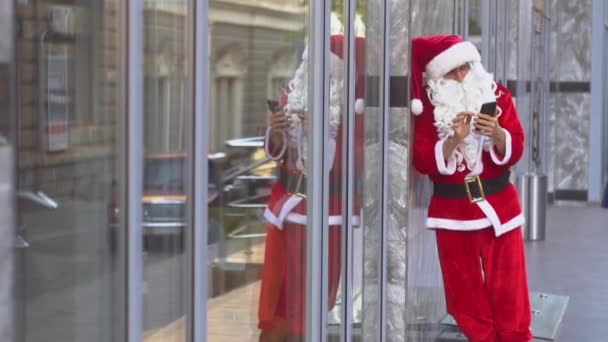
[282,304]
[474,209]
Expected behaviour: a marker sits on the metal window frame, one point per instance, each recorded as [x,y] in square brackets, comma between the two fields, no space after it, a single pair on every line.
[318,173]
[348,141]
[197,147]
[595,186]
[384,145]
[134,168]
[605,79]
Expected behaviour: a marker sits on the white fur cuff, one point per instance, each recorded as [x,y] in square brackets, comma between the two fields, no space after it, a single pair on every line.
[508,150]
[444,168]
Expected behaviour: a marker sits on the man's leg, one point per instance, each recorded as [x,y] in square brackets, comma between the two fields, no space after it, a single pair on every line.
[505,270]
[271,309]
[465,294]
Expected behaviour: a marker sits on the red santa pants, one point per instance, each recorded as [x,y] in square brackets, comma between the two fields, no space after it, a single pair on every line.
[283,291]
[485,283]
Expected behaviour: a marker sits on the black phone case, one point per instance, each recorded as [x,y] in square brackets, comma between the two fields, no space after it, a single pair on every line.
[488,108]
[273,105]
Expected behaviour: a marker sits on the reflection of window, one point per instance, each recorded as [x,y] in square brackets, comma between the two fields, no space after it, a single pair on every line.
[226,114]
[280,71]
[276,83]
[164,113]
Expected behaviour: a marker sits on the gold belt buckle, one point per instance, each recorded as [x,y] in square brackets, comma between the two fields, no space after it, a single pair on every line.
[474,180]
[296,190]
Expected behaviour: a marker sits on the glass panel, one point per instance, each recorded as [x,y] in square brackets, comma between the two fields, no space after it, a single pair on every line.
[166,104]
[425,305]
[257,269]
[366,170]
[70,93]
[367,238]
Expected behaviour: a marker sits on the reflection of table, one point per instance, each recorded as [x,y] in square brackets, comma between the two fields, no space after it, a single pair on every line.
[212,194]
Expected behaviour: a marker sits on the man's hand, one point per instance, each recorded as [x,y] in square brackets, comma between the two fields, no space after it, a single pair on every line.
[279,123]
[488,126]
[461,127]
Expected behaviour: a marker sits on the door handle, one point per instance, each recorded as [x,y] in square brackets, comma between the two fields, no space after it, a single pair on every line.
[39,197]
[20,242]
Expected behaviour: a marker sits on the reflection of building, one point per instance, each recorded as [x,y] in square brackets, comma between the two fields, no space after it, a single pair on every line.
[90,55]
[252,55]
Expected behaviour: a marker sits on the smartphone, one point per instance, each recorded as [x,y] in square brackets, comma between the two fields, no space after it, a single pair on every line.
[274,106]
[488,108]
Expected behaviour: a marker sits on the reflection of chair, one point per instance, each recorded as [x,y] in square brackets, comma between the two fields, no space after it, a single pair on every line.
[242,180]
[247,186]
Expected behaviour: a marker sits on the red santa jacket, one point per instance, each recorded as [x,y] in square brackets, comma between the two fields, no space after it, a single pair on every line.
[500,210]
[285,206]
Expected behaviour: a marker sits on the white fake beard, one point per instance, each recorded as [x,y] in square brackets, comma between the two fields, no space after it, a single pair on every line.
[297,99]
[451,97]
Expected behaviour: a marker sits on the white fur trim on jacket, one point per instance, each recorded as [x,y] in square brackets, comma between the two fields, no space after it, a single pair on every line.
[286,208]
[469,225]
[444,169]
[455,56]
[334,220]
[508,150]
[267,144]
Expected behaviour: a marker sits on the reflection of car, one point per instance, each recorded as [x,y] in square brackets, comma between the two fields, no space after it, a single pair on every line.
[164,197]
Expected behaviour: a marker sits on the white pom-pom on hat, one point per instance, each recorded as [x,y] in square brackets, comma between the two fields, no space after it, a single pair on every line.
[359,106]
[416,107]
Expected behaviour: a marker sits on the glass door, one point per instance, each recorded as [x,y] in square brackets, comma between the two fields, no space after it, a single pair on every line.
[68,148]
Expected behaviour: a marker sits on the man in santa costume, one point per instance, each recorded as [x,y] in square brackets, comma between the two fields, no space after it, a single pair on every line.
[282,307]
[474,210]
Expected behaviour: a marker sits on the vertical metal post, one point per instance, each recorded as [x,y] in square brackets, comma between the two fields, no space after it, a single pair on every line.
[134,162]
[198,151]
[348,142]
[456,21]
[317,210]
[605,105]
[485,33]
[384,143]
[595,186]
[506,42]
[523,75]
[464,19]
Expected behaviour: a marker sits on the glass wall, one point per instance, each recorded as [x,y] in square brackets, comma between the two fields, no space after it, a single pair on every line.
[425,306]
[69,96]
[167,70]
[258,64]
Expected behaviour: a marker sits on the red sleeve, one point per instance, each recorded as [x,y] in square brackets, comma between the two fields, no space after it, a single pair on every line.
[425,139]
[509,121]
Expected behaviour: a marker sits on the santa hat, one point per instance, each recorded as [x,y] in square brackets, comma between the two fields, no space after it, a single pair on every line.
[336,44]
[436,55]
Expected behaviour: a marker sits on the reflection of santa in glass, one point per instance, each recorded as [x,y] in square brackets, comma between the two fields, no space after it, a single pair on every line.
[283,291]
[474,209]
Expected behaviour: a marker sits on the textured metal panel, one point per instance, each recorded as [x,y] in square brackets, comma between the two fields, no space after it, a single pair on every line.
[569,121]
[569,113]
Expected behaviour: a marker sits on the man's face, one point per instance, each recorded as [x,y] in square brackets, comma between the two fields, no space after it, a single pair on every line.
[459,73]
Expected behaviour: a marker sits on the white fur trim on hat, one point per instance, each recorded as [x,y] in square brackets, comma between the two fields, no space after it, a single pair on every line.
[416,106]
[455,56]
[359,106]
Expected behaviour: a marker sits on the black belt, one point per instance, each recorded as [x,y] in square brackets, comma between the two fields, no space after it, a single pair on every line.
[473,187]
[295,183]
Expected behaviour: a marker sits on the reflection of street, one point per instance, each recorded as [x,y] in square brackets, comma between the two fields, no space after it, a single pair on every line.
[232,315]
[67,273]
